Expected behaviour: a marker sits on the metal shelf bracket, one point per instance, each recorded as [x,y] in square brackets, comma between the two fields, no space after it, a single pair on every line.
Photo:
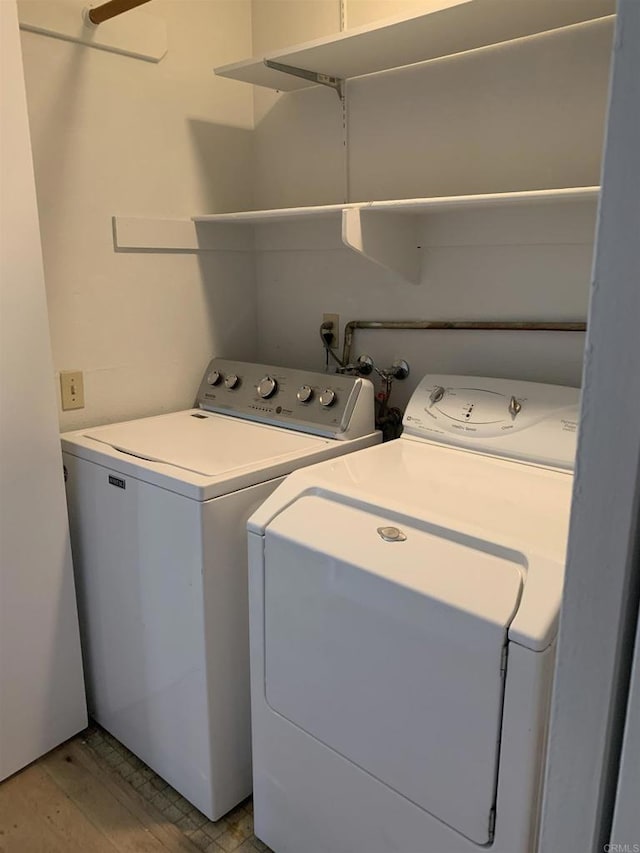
[336,83]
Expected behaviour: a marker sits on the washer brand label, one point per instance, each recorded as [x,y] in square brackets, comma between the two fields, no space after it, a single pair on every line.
[117,481]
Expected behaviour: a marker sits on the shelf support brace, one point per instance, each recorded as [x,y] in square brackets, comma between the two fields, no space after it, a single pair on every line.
[385,238]
[336,83]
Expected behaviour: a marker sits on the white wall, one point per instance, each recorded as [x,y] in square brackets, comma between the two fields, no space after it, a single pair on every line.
[116,135]
[298,141]
[358,13]
[530,263]
[525,115]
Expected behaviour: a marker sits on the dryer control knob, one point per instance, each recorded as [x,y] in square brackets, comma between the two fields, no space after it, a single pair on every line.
[305,393]
[515,407]
[214,377]
[232,381]
[267,387]
[436,395]
[327,398]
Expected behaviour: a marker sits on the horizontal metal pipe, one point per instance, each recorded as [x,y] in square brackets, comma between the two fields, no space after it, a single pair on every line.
[458,325]
[112,8]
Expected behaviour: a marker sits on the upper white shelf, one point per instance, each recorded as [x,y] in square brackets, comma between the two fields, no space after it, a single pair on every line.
[460,26]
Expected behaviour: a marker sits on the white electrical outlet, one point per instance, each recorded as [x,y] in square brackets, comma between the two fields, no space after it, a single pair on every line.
[335,319]
[71,389]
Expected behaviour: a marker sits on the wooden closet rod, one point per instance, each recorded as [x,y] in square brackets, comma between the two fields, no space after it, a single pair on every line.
[111,9]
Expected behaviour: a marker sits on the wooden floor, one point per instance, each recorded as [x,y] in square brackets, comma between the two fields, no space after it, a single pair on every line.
[68,802]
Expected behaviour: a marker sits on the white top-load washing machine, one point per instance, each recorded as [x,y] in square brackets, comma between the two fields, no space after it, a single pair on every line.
[403,612]
[158,510]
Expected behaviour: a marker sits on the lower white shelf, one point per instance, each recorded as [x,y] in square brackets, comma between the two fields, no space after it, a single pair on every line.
[384,232]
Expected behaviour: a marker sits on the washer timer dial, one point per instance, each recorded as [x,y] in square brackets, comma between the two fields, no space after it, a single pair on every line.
[267,387]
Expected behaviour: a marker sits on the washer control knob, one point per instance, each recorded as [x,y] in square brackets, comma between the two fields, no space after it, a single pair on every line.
[214,377]
[232,381]
[515,407]
[267,387]
[436,395]
[327,398]
[304,394]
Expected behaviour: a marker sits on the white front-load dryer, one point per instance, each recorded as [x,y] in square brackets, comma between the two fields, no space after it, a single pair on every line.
[403,608]
[158,510]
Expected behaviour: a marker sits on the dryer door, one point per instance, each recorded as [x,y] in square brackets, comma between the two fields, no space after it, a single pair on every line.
[391,652]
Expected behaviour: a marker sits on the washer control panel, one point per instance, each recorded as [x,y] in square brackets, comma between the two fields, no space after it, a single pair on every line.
[530,421]
[321,403]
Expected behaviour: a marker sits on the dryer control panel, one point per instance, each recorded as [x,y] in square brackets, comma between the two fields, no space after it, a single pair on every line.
[325,404]
[530,421]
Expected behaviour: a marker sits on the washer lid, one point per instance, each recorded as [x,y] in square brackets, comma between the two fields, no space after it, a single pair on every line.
[389,650]
[207,444]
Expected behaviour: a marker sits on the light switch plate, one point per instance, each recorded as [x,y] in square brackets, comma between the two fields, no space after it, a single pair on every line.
[71,389]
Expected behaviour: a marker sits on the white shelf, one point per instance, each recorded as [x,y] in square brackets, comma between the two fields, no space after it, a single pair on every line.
[443,203]
[384,232]
[276,214]
[408,205]
[143,234]
[462,25]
